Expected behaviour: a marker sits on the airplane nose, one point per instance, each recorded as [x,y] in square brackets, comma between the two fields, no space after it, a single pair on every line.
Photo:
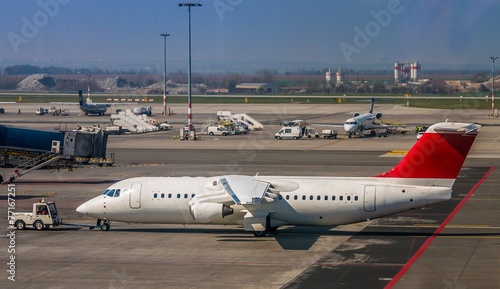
[82,209]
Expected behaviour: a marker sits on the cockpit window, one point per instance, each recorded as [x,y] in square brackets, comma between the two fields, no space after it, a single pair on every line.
[111,193]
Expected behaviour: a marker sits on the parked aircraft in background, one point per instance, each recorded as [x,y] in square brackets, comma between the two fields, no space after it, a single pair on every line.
[263,203]
[359,123]
[91,108]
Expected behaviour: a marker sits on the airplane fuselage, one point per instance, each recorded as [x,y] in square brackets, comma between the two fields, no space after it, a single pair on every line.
[358,123]
[301,200]
[88,108]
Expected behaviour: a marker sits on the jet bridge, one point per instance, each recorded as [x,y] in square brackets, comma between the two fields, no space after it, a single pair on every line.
[27,149]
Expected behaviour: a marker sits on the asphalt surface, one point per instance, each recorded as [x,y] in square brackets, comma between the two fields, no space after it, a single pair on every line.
[450,245]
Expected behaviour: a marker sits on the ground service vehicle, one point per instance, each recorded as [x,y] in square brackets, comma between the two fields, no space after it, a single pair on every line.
[44,216]
[217,130]
[329,133]
[40,111]
[293,132]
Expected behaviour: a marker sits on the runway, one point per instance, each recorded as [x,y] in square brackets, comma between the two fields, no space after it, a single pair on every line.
[465,254]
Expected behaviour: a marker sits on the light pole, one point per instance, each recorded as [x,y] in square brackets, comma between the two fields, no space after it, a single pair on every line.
[88,87]
[190,113]
[493,85]
[165,35]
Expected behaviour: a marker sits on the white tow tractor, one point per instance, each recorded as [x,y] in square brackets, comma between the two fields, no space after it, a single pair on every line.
[43,216]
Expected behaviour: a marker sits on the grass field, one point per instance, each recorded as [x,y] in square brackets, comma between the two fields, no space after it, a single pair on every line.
[430,101]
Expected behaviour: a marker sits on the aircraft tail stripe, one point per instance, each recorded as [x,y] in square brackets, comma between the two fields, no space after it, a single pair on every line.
[439,154]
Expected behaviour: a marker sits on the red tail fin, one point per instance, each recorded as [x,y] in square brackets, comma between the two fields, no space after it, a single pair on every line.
[439,154]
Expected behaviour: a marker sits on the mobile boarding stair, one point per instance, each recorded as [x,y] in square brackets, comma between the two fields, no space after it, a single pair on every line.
[32,164]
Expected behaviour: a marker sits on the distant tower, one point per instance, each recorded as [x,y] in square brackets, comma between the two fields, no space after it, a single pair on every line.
[415,71]
[340,76]
[329,76]
[396,72]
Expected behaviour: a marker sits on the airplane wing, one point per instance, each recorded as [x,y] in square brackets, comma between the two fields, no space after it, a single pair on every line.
[64,103]
[246,190]
[98,103]
[374,126]
[327,125]
[218,195]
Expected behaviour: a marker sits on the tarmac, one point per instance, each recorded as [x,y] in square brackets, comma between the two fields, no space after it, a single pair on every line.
[454,244]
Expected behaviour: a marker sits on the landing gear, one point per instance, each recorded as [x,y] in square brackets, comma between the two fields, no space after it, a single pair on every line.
[269,229]
[103,224]
[105,227]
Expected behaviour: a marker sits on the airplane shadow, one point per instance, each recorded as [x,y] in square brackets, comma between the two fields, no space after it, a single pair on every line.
[300,238]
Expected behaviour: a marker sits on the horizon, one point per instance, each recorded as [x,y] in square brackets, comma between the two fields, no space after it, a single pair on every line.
[244,36]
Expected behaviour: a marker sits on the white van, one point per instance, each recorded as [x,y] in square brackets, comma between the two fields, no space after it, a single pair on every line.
[290,132]
[217,130]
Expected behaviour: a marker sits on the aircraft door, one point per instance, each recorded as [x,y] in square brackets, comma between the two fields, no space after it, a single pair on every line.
[135,196]
[369,199]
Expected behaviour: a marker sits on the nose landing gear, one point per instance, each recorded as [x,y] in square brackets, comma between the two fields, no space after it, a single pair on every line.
[103,224]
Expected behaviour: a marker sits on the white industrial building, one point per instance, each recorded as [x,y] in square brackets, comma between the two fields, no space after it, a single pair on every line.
[339,76]
[405,72]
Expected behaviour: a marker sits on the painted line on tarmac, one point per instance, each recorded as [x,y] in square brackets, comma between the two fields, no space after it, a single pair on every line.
[325,145]
[436,233]
[394,154]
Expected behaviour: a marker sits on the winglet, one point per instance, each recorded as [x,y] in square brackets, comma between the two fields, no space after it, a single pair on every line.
[439,154]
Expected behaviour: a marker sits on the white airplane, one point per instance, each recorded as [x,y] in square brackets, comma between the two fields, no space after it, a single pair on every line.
[361,122]
[263,203]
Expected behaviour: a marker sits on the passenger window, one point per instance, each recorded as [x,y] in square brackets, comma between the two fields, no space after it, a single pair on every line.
[192,196]
[333,198]
[117,193]
[178,196]
[111,193]
[280,197]
[356,198]
[326,198]
[303,198]
[169,196]
[311,198]
[105,192]
[341,198]
[185,196]
[295,197]
[162,195]
[288,197]
[319,198]
[155,195]
[348,198]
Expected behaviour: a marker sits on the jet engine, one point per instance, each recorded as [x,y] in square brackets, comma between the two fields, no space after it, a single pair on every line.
[355,114]
[378,115]
[208,212]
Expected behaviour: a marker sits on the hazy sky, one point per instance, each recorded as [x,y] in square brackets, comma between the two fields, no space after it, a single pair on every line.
[335,33]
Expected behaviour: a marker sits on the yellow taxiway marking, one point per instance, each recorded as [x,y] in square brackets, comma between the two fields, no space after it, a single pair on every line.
[397,152]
